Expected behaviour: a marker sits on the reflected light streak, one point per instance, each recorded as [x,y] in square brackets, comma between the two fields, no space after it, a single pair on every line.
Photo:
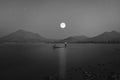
[62,67]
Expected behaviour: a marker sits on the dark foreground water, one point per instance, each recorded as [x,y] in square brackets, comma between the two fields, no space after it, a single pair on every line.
[41,61]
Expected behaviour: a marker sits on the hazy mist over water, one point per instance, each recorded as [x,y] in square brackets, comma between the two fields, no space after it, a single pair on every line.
[83,17]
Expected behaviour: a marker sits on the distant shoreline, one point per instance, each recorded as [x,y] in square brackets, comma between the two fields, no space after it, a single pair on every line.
[60,43]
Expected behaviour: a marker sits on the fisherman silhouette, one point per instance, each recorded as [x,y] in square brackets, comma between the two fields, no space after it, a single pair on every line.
[65,44]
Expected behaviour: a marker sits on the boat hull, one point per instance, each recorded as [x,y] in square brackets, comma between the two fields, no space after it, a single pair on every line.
[59,46]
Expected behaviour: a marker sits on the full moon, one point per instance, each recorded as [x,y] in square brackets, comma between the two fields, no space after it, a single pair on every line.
[62,25]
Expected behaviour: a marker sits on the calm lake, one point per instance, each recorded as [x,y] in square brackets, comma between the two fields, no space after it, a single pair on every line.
[36,60]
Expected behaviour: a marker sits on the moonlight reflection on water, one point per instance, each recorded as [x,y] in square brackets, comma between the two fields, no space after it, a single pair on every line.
[62,65]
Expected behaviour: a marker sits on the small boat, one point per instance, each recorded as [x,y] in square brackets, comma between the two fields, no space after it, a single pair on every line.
[60,45]
[57,47]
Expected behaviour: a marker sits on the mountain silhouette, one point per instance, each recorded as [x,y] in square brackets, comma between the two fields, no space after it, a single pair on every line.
[23,36]
[74,39]
[26,36]
[106,36]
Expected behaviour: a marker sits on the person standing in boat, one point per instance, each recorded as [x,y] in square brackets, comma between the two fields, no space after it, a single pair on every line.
[65,44]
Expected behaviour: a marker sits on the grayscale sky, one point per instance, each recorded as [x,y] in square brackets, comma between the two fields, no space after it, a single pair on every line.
[83,17]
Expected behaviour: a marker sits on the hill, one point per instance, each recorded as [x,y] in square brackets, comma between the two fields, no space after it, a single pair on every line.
[23,36]
[73,39]
[112,36]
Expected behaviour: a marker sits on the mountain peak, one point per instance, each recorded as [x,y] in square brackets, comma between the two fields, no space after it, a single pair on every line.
[77,37]
[111,33]
[115,32]
[21,30]
[23,36]
[106,36]
[74,38]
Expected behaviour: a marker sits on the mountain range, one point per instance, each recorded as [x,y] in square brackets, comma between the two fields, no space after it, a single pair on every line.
[27,36]
[112,36]
[24,36]
[73,39]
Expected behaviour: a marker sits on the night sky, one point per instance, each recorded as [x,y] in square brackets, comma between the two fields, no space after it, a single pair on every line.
[82,17]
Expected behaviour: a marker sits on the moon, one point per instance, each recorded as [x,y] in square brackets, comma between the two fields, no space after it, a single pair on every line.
[63,25]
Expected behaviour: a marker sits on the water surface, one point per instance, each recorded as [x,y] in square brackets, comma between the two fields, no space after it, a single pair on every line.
[36,60]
